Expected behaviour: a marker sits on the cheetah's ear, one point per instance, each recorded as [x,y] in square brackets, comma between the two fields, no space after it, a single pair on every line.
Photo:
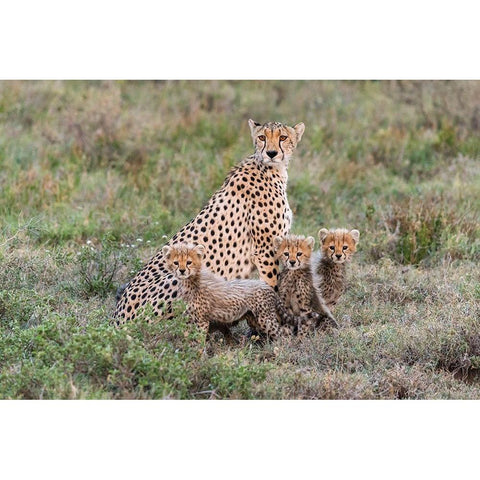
[199,250]
[299,129]
[322,234]
[310,241]
[355,235]
[166,251]
[253,126]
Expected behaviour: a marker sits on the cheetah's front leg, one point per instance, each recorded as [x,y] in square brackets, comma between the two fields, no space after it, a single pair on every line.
[267,267]
[295,307]
[202,323]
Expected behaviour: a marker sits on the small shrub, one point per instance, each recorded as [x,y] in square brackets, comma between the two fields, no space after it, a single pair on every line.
[60,358]
[98,266]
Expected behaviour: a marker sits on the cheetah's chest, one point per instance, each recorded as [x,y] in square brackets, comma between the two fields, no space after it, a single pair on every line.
[332,281]
[288,215]
[241,218]
[294,284]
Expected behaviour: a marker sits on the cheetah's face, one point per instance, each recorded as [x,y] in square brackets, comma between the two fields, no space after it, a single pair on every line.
[294,251]
[184,260]
[338,245]
[274,142]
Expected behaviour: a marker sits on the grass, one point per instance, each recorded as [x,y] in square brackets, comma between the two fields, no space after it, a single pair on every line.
[96,175]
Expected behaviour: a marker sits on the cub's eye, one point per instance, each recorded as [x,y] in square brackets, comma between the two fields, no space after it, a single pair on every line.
[299,254]
[332,248]
[261,137]
[189,262]
[286,254]
[283,137]
[345,247]
[175,263]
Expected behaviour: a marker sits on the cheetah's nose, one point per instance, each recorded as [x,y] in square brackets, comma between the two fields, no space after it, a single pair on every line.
[272,153]
[338,255]
[181,271]
[292,262]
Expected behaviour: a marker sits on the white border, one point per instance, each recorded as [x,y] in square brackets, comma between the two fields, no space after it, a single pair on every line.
[248,39]
[238,439]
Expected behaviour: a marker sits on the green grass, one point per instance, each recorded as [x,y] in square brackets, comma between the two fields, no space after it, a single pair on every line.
[96,175]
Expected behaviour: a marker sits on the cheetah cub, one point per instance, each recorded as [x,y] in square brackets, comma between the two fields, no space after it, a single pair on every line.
[211,298]
[337,248]
[295,283]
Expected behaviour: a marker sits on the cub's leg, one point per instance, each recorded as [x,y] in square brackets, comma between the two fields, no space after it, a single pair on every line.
[295,307]
[319,305]
[266,314]
[306,327]
[254,329]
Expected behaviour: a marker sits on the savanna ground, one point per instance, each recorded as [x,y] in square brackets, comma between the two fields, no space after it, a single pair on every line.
[95,175]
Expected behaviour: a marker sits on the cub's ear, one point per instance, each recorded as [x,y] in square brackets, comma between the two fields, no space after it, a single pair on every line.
[322,234]
[253,126]
[166,251]
[310,242]
[355,235]
[277,241]
[199,250]
[299,129]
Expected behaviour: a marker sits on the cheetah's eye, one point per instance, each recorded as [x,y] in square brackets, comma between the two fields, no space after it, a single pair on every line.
[299,254]
[189,262]
[175,263]
[283,137]
[286,254]
[345,247]
[261,137]
[332,248]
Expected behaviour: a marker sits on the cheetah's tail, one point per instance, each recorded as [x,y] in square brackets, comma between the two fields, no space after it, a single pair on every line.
[120,291]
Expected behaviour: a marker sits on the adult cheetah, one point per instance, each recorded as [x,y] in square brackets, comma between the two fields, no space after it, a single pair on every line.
[237,225]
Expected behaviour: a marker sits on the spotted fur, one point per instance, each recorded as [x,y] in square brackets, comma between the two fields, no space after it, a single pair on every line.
[236,226]
[296,285]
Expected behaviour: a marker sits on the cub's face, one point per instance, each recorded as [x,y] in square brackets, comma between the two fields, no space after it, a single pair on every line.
[183,260]
[338,245]
[294,251]
[274,142]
